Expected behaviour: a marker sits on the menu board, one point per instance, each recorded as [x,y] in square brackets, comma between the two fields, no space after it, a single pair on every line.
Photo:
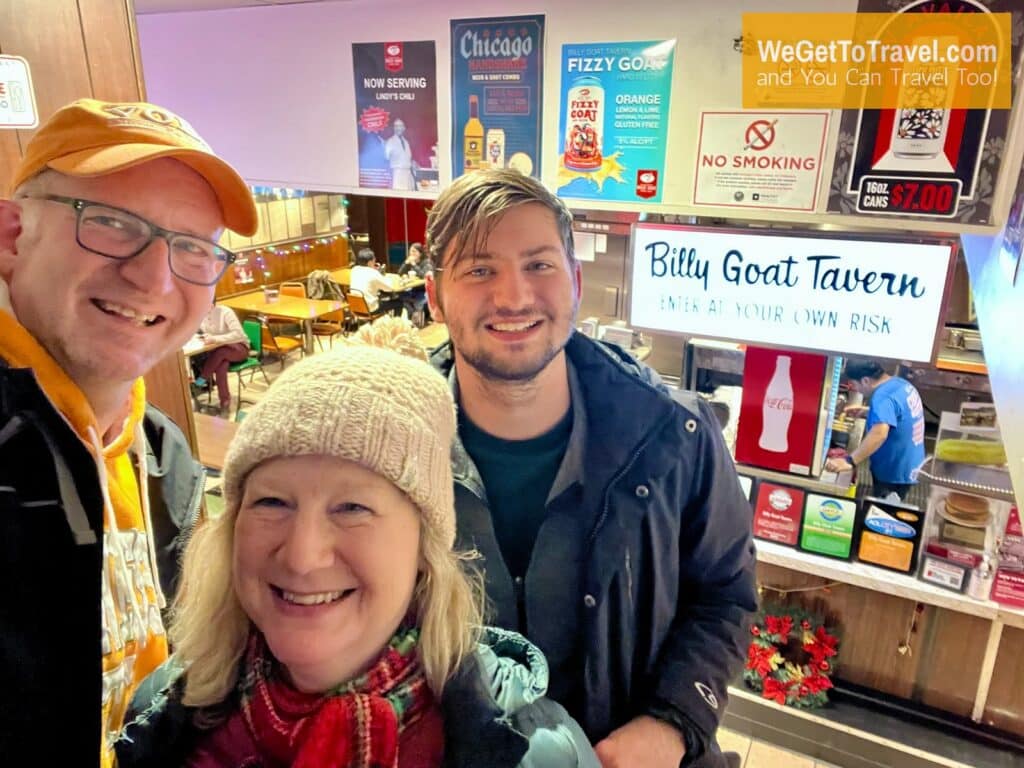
[322,213]
[614,120]
[337,211]
[262,234]
[278,220]
[291,211]
[307,217]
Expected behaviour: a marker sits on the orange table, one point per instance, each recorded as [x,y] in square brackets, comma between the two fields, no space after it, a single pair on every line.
[286,307]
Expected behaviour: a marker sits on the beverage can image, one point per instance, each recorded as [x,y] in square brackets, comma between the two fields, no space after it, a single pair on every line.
[923,111]
[495,148]
[584,125]
[777,410]
[919,132]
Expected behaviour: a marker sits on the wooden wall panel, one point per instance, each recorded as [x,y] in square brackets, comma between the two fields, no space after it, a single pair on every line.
[167,389]
[1006,697]
[49,36]
[291,266]
[872,626]
[10,154]
[107,28]
[953,647]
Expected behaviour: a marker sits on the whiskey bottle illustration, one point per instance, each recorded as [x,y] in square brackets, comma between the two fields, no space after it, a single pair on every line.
[777,409]
[473,137]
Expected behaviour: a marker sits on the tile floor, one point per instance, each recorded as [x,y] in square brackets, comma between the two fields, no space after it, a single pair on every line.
[761,754]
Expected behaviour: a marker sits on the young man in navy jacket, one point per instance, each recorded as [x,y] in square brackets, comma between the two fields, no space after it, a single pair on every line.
[611,522]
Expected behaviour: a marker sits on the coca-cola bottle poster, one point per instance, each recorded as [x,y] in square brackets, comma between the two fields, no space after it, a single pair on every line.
[613,123]
[781,405]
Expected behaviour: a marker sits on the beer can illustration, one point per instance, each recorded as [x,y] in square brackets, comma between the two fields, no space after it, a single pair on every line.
[495,147]
[584,125]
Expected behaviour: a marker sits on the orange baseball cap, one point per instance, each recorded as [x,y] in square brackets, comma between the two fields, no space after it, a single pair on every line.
[89,137]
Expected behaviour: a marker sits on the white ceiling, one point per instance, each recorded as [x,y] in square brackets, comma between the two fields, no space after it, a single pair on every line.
[169,6]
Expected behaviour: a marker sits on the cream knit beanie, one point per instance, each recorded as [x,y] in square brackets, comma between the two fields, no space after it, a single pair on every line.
[371,402]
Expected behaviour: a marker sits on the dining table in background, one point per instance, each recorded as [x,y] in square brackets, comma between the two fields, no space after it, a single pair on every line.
[284,307]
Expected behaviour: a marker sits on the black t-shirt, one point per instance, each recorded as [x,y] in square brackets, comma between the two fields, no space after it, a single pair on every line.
[518,475]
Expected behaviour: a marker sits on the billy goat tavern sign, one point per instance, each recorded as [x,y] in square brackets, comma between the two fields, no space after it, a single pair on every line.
[861,297]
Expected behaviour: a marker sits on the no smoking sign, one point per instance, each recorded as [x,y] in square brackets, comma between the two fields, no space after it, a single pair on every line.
[760,134]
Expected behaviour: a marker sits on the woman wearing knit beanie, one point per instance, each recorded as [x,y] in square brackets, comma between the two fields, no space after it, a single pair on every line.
[324,620]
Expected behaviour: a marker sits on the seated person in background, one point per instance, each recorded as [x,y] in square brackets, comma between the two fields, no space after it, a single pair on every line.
[221,326]
[368,280]
[324,617]
[416,265]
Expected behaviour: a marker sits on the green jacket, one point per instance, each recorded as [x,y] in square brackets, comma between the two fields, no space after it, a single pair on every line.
[494,709]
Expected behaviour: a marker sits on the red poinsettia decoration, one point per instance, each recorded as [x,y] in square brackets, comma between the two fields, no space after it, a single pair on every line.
[778,625]
[759,659]
[777,690]
[790,657]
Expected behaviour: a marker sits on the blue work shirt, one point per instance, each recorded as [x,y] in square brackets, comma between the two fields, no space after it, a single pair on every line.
[896,403]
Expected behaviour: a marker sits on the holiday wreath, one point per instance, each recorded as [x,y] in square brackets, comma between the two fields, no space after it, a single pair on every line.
[791,657]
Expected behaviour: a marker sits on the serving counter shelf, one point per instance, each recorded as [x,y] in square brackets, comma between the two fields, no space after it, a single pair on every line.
[909,588]
[798,481]
[891,583]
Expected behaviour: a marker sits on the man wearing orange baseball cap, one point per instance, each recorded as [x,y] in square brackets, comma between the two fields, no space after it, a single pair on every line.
[108,261]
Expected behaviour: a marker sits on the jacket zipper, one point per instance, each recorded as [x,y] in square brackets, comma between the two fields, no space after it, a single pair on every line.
[194,505]
[608,493]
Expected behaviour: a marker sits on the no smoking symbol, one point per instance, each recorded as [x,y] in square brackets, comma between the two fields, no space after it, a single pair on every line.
[760,134]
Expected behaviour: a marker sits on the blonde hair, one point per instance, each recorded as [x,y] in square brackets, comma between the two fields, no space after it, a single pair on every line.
[209,628]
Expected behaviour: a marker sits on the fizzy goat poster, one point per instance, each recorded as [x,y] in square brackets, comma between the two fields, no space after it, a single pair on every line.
[614,120]
[497,81]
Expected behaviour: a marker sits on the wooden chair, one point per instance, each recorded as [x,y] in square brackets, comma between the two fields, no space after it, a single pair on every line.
[359,309]
[330,325]
[293,289]
[278,346]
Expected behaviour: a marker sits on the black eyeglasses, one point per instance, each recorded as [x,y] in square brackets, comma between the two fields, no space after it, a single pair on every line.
[120,234]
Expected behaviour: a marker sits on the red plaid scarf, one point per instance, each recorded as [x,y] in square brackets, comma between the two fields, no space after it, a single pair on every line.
[354,726]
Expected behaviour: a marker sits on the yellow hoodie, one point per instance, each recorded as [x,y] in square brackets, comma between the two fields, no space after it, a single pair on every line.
[134,641]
